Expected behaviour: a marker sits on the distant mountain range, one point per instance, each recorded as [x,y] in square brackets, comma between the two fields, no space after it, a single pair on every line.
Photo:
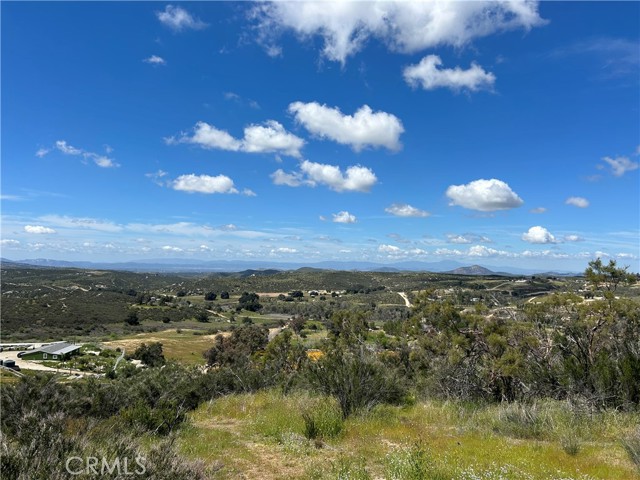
[265,267]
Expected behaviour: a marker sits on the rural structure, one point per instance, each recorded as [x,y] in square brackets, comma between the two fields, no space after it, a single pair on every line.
[56,351]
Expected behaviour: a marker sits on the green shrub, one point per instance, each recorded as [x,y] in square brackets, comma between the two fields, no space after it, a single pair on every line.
[631,444]
[570,443]
[349,469]
[520,420]
[323,421]
[413,463]
[356,379]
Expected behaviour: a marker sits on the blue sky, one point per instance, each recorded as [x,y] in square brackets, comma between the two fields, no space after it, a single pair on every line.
[499,134]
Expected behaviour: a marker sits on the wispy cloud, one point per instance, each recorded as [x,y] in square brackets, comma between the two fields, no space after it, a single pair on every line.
[178,19]
[62,146]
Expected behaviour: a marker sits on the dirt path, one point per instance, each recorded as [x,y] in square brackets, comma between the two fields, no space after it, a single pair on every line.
[406,299]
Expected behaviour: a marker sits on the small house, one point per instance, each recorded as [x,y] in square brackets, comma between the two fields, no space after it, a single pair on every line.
[58,351]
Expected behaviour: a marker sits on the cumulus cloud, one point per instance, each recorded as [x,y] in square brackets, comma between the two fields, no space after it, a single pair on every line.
[155,60]
[621,165]
[178,19]
[405,210]
[406,27]
[538,234]
[355,178]
[271,137]
[579,202]
[204,184]
[365,128]
[484,195]
[344,217]
[38,229]
[429,76]
[42,152]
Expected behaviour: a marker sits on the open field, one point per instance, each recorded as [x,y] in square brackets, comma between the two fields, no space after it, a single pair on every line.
[411,376]
[262,436]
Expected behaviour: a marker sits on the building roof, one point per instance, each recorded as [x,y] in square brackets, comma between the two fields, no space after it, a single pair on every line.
[58,348]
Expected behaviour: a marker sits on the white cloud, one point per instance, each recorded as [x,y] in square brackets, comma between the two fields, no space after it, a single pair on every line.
[621,165]
[427,75]
[573,238]
[38,229]
[389,249]
[8,242]
[484,195]
[474,251]
[171,248]
[81,222]
[405,210]
[104,162]
[272,137]
[344,217]
[355,179]
[284,250]
[280,177]
[178,19]
[538,234]
[67,149]
[538,210]
[192,183]
[482,251]
[42,152]
[579,202]
[467,238]
[406,27]
[268,138]
[100,160]
[155,60]
[365,128]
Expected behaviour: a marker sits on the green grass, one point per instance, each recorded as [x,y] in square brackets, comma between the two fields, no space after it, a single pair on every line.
[448,440]
[184,347]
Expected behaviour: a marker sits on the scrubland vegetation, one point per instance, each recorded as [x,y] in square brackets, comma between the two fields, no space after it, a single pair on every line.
[476,380]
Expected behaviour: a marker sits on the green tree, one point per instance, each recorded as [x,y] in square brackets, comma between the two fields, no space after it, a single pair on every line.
[132,318]
[607,277]
[150,354]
